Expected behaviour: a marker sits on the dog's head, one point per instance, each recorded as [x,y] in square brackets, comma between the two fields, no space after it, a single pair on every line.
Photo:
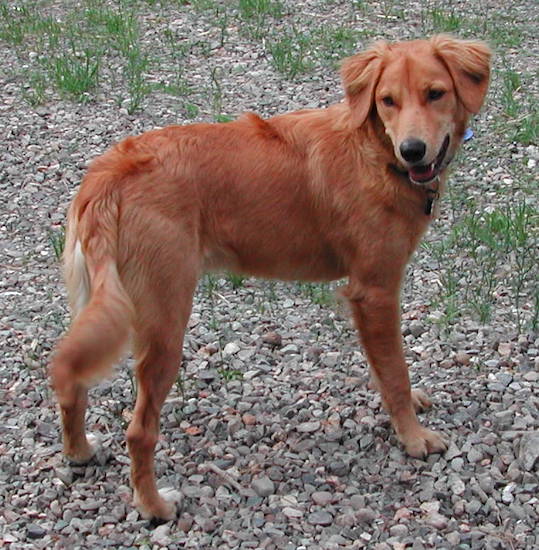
[423,92]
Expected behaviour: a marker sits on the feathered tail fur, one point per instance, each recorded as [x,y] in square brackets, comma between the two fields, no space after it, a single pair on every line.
[102,311]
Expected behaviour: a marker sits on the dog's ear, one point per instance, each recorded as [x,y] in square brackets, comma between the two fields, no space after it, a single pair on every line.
[360,74]
[468,62]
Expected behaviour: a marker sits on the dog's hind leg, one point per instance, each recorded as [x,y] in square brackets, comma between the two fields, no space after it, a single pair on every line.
[79,447]
[162,316]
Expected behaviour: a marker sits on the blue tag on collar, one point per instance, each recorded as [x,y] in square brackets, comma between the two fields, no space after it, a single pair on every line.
[468,135]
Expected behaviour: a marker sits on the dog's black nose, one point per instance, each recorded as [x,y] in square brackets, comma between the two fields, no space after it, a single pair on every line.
[412,149]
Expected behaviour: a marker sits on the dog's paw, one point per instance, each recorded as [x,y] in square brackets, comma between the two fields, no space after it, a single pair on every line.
[420,400]
[92,451]
[424,442]
[166,507]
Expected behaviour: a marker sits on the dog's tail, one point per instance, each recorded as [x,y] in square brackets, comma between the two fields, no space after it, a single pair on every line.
[101,308]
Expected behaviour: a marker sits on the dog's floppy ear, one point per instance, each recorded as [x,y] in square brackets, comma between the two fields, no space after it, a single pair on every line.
[360,74]
[468,62]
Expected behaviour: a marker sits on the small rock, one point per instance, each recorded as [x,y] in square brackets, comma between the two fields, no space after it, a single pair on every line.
[528,453]
[208,525]
[308,427]
[416,328]
[452,452]
[331,359]
[462,358]
[473,506]
[437,520]
[320,518]
[507,493]
[338,468]
[273,339]
[249,419]
[456,484]
[290,349]
[457,464]
[365,515]
[474,455]
[263,486]
[398,530]
[503,419]
[313,353]
[64,474]
[231,348]
[185,523]
[292,513]
[34,531]
[504,349]
[160,535]
[207,375]
[322,498]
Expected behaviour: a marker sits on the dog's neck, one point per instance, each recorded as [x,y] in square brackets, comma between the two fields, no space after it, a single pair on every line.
[431,190]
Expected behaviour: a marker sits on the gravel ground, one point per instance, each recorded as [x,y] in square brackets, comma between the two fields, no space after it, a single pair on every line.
[272,436]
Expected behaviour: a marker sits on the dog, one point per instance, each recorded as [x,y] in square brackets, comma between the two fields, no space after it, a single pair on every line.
[316,195]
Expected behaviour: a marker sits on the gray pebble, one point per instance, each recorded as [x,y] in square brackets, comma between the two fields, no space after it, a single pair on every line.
[263,486]
[320,518]
[528,453]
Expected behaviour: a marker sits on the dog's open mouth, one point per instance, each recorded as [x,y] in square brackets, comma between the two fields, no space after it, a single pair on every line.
[424,173]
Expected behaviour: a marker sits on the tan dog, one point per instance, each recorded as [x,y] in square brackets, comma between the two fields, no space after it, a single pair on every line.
[317,195]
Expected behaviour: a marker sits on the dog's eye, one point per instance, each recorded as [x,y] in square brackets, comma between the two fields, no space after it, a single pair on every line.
[388,101]
[435,94]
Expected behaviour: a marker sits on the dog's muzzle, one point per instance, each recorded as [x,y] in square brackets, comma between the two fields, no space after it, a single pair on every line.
[425,173]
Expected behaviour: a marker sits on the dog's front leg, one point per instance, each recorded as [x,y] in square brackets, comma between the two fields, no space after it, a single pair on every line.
[377,316]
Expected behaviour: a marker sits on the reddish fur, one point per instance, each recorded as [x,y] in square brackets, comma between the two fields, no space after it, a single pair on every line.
[306,195]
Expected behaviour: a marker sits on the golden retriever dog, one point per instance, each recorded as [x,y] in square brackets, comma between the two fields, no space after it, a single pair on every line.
[315,195]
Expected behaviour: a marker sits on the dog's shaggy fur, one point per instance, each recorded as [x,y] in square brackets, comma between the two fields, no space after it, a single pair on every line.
[317,195]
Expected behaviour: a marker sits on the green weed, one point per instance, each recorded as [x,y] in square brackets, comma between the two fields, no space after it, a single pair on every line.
[318,293]
[289,54]
[255,14]
[75,74]
[333,44]
[527,131]
[511,83]
[35,93]
[57,238]
[237,281]
[191,110]
[230,374]
[210,284]
[445,21]
[485,241]
[216,91]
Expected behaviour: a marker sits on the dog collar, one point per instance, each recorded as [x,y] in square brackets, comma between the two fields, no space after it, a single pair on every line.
[431,190]
[432,197]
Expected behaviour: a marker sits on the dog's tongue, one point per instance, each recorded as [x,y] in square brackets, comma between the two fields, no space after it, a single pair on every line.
[422,173]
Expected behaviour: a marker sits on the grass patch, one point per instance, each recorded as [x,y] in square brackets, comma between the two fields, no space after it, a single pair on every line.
[57,238]
[36,92]
[511,83]
[289,54]
[75,74]
[255,14]
[236,281]
[521,114]
[68,53]
[527,129]
[319,293]
[445,20]
[501,248]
